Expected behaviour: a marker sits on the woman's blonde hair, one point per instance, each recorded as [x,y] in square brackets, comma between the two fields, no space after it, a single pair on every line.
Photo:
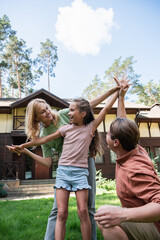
[32,126]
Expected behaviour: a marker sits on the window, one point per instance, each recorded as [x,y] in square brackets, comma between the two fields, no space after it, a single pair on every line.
[55,158]
[150,154]
[28,167]
[113,156]
[99,158]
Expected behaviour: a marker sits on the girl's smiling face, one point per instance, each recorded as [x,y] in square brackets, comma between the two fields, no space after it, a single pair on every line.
[76,117]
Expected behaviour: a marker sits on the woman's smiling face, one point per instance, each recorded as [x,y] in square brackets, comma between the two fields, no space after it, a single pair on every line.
[44,114]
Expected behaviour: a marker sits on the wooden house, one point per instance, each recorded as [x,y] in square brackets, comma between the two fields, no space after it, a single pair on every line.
[12,124]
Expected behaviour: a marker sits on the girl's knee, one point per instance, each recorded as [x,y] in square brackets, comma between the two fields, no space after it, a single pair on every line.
[62,214]
[83,213]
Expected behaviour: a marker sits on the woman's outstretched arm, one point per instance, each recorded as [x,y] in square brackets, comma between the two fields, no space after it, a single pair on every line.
[45,161]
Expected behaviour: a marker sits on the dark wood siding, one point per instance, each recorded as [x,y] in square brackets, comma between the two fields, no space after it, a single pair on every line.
[108,168]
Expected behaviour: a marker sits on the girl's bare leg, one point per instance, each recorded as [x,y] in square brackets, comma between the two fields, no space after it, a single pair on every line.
[62,196]
[82,205]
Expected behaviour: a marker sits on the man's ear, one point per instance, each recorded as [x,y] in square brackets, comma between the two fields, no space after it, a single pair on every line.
[116,142]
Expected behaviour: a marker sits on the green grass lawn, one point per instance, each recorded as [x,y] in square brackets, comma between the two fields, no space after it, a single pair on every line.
[27,219]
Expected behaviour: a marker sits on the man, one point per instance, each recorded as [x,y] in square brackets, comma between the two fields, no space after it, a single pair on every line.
[137,185]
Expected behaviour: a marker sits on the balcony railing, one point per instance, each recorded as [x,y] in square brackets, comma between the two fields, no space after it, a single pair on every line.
[9,170]
[18,123]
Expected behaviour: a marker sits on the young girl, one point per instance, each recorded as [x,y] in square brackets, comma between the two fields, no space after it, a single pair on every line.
[80,136]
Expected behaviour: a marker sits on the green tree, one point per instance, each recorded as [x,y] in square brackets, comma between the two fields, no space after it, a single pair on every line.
[96,88]
[5,33]
[47,59]
[18,56]
[27,77]
[148,93]
[3,67]
[118,68]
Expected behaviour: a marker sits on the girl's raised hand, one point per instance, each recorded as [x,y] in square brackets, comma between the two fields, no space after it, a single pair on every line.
[117,81]
[123,82]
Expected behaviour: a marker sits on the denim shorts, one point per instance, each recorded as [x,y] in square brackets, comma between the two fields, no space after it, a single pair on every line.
[72,178]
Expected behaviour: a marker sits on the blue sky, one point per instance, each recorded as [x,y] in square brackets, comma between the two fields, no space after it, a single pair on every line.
[90,35]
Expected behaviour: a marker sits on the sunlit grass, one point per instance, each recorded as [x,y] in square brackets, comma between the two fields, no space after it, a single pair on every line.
[27,219]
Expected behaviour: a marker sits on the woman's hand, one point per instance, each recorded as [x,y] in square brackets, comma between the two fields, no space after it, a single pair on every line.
[16,149]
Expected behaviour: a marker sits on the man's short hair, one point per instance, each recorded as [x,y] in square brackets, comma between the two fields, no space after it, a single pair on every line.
[126,131]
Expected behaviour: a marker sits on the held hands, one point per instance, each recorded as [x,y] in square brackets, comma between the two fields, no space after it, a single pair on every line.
[124,85]
[18,149]
[110,216]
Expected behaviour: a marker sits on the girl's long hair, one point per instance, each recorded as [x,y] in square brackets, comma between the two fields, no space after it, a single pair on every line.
[83,105]
[32,126]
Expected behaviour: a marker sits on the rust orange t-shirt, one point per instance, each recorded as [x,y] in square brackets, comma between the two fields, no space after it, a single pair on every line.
[137,182]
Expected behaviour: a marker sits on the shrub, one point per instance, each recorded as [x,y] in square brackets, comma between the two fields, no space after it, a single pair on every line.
[104,183]
[3,192]
[155,161]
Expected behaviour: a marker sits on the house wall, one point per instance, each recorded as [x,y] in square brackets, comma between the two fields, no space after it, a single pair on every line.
[5,155]
[108,120]
[154,130]
[144,130]
[6,123]
[108,167]
[19,111]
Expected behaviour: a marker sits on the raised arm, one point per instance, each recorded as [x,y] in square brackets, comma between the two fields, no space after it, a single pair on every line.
[38,141]
[121,112]
[123,85]
[42,160]
[105,110]
[94,102]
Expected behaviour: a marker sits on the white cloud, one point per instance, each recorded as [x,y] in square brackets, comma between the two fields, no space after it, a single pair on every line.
[83,29]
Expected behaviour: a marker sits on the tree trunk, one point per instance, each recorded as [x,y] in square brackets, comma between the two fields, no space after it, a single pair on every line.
[12,90]
[48,77]
[0,85]
[18,79]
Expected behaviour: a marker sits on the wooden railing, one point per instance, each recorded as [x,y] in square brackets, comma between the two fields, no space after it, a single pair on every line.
[18,123]
[9,170]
